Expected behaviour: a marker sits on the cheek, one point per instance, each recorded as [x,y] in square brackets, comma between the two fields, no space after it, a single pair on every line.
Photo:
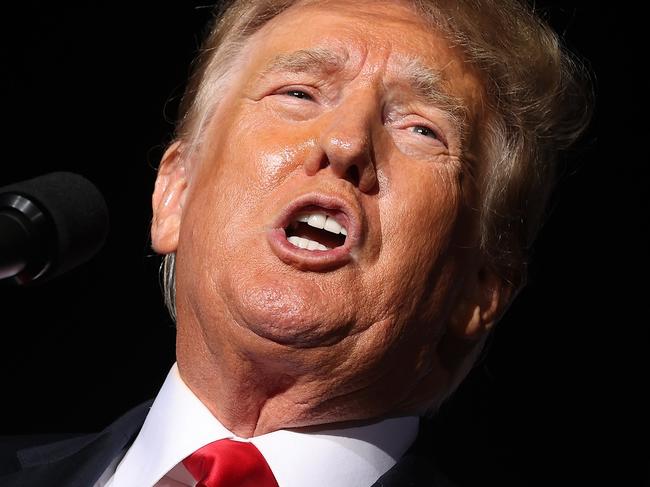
[418,220]
[237,171]
[257,151]
[420,213]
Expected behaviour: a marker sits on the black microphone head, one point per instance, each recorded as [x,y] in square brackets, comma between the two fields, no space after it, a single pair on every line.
[77,219]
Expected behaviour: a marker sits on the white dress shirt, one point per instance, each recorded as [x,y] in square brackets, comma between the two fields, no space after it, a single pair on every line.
[179,424]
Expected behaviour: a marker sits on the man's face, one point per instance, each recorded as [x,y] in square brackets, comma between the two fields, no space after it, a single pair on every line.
[340,115]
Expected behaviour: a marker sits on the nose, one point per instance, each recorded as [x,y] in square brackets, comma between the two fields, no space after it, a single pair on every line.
[346,140]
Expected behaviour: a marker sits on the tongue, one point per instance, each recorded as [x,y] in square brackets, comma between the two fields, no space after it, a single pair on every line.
[328,239]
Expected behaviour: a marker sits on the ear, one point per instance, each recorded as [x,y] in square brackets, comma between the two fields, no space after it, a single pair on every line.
[483,300]
[168,199]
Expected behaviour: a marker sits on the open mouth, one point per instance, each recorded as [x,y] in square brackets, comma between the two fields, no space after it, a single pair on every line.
[316,230]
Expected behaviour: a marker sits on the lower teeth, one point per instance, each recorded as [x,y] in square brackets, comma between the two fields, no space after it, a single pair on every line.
[305,243]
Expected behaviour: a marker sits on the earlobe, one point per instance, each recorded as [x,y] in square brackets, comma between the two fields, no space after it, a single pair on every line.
[485,298]
[168,199]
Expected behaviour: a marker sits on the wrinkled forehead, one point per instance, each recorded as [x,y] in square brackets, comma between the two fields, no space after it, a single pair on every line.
[391,38]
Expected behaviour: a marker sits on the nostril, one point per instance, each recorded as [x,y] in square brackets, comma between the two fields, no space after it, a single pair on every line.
[352,175]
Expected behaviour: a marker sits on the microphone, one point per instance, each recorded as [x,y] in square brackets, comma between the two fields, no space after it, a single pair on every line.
[49,225]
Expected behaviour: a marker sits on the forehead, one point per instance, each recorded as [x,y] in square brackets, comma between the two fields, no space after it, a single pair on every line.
[384,37]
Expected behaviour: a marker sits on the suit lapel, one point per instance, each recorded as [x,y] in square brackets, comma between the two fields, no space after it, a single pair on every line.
[78,461]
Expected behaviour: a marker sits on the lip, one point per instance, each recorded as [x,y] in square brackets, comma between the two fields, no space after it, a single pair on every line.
[342,211]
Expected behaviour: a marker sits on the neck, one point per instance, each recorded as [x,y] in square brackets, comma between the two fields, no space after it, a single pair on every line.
[253,393]
[254,386]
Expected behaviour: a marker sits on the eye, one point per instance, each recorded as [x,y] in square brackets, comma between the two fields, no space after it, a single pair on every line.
[298,94]
[426,131]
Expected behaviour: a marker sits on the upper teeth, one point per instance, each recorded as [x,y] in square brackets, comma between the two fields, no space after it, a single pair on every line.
[322,221]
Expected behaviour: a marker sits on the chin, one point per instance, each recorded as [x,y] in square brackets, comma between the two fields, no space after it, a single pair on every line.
[288,314]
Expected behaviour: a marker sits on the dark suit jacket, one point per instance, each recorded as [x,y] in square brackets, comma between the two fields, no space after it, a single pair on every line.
[80,461]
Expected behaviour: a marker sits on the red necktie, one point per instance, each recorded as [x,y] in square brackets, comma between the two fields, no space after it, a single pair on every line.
[228,463]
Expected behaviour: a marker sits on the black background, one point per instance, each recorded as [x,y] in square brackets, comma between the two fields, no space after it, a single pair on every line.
[92,87]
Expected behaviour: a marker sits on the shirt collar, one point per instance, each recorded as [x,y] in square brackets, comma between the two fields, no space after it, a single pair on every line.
[179,424]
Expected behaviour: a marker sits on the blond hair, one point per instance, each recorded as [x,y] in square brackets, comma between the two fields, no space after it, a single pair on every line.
[538,101]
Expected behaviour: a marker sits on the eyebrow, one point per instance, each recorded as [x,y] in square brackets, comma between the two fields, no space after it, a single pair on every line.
[426,83]
[315,61]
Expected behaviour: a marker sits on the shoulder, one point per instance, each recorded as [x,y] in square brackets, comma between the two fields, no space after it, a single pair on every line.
[66,460]
[13,447]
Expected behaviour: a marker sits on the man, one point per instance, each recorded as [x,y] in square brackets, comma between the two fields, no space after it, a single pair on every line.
[345,213]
